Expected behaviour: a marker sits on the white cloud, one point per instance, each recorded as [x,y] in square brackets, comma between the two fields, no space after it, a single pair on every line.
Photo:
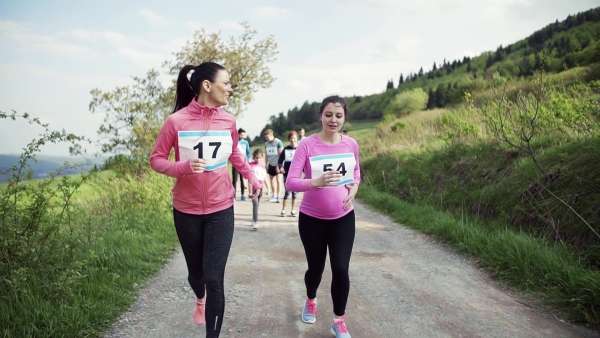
[79,34]
[408,46]
[235,26]
[143,59]
[152,17]
[16,72]
[195,25]
[118,39]
[299,85]
[270,11]
[22,37]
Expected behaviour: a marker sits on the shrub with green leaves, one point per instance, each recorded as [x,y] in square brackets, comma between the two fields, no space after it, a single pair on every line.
[74,249]
[407,102]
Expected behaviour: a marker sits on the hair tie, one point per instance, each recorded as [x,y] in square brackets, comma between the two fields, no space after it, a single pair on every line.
[189,81]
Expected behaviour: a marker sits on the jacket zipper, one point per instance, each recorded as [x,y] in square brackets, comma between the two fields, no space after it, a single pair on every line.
[206,126]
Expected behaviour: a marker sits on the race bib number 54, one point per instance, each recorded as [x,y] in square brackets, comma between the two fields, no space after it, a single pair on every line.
[215,146]
[344,163]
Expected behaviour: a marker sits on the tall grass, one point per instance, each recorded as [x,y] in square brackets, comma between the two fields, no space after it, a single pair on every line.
[535,265]
[452,162]
[73,249]
[117,236]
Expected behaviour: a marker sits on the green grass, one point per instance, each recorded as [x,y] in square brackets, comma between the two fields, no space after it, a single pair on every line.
[537,266]
[444,173]
[118,235]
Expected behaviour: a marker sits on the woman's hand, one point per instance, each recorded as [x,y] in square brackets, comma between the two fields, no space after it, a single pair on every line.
[281,170]
[352,190]
[329,179]
[255,193]
[198,165]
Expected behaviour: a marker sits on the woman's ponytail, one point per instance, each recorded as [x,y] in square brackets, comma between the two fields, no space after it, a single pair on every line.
[183,92]
[188,89]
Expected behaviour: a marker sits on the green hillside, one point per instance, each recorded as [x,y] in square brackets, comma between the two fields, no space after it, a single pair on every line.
[44,165]
[497,155]
[562,45]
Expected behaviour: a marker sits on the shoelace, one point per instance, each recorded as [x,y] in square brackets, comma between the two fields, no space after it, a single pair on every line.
[311,308]
[341,326]
[200,305]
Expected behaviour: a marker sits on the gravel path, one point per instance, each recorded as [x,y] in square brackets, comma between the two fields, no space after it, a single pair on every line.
[403,284]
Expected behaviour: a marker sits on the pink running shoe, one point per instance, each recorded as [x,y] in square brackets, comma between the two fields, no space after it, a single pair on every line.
[309,312]
[199,312]
[339,329]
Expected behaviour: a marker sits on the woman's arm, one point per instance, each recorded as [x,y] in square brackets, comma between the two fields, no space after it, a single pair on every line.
[159,159]
[294,180]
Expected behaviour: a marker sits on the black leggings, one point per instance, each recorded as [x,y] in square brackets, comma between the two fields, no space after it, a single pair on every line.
[338,235]
[205,241]
[234,178]
[287,193]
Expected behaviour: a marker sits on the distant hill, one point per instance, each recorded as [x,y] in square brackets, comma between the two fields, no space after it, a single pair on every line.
[572,42]
[45,165]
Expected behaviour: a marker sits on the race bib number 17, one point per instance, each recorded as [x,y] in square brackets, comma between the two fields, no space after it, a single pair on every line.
[215,146]
[344,163]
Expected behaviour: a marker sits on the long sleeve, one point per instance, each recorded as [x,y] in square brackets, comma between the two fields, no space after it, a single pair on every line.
[281,159]
[240,163]
[357,166]
[294,181]
[159,159]
[248,155]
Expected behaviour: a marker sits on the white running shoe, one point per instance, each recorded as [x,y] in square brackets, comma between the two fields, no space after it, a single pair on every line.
[283,213]
[255,225]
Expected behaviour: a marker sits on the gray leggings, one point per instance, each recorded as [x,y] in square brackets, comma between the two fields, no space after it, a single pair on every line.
[205,241]
[255,208]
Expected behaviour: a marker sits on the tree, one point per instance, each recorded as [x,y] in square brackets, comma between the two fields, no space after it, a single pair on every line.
[390,85]
[407,102]
[430,99]
[401,81]
[248,64]
[490,61]
[135,113]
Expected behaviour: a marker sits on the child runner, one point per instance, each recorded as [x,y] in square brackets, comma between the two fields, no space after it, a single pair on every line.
[258,166]
[285,159]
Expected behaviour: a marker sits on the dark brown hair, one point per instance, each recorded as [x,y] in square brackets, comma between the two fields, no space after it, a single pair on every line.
[335,99]
[188,89]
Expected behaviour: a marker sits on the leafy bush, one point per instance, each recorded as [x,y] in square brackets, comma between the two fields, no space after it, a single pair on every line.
[407,102]
[74,249]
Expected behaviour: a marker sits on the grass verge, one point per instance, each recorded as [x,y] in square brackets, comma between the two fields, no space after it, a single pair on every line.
[117,237]
[543,269]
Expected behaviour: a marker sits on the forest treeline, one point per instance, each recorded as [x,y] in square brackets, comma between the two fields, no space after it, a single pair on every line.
[561,45]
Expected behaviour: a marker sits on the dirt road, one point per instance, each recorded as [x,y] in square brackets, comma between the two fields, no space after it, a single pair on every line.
[403,284]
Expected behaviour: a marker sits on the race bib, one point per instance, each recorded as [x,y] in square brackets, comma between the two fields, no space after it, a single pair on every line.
[271,150]
[215,146]
[344,163]
[289,154]
[242,148]
[260,172]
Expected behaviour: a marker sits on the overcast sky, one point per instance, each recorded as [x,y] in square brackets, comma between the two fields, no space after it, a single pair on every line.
[52,53]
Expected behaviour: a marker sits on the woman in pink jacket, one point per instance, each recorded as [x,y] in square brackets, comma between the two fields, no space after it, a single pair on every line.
[330,163]
[204,138]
